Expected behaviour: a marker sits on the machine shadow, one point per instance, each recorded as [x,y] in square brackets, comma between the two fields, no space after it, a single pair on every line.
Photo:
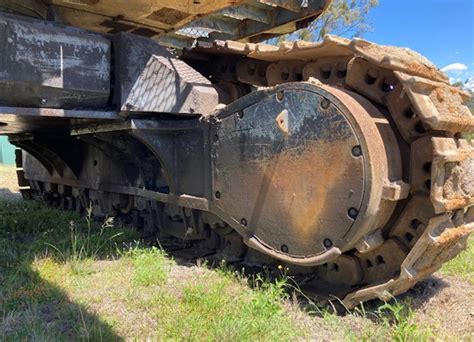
[31,307]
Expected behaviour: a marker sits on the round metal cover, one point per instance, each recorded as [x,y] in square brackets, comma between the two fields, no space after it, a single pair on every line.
[290,170]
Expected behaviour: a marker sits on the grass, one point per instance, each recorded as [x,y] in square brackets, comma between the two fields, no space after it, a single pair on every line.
[463,265]
[65,277]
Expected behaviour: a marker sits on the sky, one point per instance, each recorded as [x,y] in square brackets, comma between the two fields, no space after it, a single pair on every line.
[441,30]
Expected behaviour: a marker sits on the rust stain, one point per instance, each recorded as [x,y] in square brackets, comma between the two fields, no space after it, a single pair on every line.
[420,69]
[322,167]
[452,235]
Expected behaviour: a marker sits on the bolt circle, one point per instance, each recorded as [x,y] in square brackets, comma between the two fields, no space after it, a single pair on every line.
[217,194]
[325,104]
[327,243]
[284,248]
[352,212]
[243,222]
[357,151]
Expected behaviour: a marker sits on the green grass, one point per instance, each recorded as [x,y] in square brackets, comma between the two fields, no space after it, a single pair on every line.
[463,265]
[30,306]
[65,277]
[150,266]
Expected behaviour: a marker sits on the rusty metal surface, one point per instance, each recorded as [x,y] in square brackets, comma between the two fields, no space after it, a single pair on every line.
[178,23]
[432,219]
[356,176]
[283,171]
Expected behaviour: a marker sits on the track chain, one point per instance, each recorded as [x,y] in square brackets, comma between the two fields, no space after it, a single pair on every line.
[430,116]
[429,227]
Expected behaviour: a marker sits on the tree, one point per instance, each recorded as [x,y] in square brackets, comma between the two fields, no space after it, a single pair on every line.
[342,18]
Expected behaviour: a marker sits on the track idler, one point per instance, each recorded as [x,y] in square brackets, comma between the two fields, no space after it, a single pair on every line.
[303,172]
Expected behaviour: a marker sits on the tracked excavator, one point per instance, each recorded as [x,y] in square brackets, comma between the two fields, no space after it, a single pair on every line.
[344,161]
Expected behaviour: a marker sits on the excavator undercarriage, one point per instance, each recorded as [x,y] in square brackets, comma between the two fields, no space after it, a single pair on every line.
[342,160]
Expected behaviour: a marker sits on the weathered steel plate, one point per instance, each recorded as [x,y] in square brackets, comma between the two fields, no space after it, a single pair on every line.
[291,184]
[50,65]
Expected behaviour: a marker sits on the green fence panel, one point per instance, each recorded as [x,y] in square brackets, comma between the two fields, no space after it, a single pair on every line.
[7,151]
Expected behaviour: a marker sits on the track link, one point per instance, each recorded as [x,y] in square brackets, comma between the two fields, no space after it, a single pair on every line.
[433,224]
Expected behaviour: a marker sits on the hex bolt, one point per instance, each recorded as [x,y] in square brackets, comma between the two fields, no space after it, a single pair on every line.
[280,96]
[357,151]
[243,222]
[44,101]
[240,114]
[327,243]
[284,248]
[352,212]
[217,194]
[325,103]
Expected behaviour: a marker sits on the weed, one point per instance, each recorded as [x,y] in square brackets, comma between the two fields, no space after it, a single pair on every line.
[88,244]
[398,319]
[150,266]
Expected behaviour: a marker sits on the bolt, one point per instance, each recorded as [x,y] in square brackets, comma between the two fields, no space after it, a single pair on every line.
[216,137]
[240,114]
[284,248]
[327,243]
[280,96]
[325,104]
[44,101]
[218,194]
[352,212]
[243,222]
[357,151]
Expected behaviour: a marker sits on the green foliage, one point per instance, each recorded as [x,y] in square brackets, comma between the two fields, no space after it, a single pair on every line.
[150,266]
[91,242]
[346,18]
[398,319]
[32,308]
[220,309]
[463,265]
[141,293]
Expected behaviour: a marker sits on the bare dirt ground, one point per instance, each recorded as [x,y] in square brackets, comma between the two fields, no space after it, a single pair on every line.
[442,303]
[8,182]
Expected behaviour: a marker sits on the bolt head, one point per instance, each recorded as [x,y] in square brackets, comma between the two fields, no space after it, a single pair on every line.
[357,151]
[325,104]
[352,212]
[327,243]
